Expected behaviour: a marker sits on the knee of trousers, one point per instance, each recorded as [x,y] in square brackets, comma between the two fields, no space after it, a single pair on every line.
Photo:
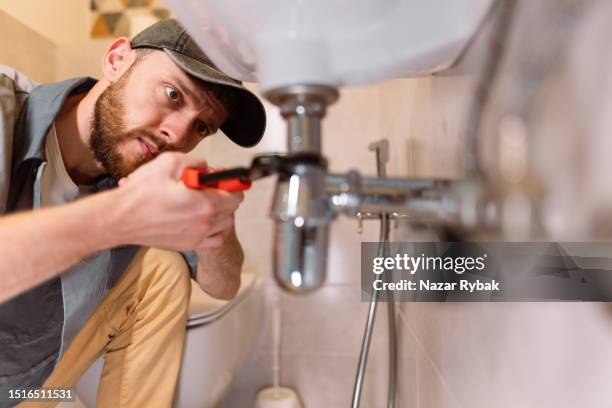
[170,274]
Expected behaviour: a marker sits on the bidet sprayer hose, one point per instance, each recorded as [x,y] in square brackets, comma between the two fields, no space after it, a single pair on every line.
[381,148]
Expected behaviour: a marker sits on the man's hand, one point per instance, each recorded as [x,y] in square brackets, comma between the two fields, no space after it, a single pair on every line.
[162,212]
[220,261]
[151,207]
[156,209]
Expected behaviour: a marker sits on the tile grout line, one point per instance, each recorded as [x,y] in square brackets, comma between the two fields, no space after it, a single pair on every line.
[416,339]
[416,369]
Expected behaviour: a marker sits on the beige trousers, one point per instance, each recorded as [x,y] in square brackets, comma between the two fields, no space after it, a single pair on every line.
[140,327]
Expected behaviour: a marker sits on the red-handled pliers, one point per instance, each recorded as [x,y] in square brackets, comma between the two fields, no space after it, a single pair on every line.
[228,180]
[235,179]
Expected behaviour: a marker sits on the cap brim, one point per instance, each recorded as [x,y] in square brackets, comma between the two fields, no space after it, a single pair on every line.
[247,123]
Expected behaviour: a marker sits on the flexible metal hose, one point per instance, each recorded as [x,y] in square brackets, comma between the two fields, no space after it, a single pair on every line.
[367,336]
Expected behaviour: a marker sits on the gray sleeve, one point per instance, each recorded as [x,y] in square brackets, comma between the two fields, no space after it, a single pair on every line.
[8,107]
[14,88]
[192,261]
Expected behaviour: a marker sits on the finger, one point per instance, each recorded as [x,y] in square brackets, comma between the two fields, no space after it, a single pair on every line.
[215,241]
[214,169]
[231,201]
[221,225]
[224,201]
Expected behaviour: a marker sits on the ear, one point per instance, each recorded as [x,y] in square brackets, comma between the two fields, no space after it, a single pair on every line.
[117,59]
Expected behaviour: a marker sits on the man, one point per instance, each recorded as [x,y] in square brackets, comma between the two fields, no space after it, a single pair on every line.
[73,282]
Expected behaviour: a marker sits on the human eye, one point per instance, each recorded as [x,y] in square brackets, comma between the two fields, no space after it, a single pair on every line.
[202,129]
[172,94]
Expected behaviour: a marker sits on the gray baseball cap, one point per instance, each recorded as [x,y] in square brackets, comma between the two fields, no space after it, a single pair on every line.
[247,122]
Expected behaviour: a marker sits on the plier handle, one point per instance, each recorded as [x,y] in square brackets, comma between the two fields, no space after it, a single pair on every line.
[229,180]
[234,179]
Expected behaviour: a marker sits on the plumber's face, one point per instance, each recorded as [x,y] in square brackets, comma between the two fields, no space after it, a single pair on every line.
[152,108]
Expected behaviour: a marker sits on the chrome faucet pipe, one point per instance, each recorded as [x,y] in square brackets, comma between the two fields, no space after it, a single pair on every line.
[435,209]
[336,183]
[307,198]
[303,125]
[303,107]
[300,209]
[352,194]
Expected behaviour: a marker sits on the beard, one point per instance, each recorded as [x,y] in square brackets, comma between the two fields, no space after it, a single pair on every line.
[109,132]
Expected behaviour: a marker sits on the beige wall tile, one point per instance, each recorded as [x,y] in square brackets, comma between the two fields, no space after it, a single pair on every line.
[431,389]
[327,381]
[514,354]
[344,262]
[328,321]
[423,119]
[80,59]
[255,237]
[65,21]
[320,340]
[26,50]
[351,124]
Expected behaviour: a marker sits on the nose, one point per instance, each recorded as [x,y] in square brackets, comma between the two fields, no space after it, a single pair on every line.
[176,129]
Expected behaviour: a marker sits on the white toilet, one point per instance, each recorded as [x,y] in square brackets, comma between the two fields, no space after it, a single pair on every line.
[220,336]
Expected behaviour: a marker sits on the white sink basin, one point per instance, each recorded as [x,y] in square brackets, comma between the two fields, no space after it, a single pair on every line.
[330,42]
